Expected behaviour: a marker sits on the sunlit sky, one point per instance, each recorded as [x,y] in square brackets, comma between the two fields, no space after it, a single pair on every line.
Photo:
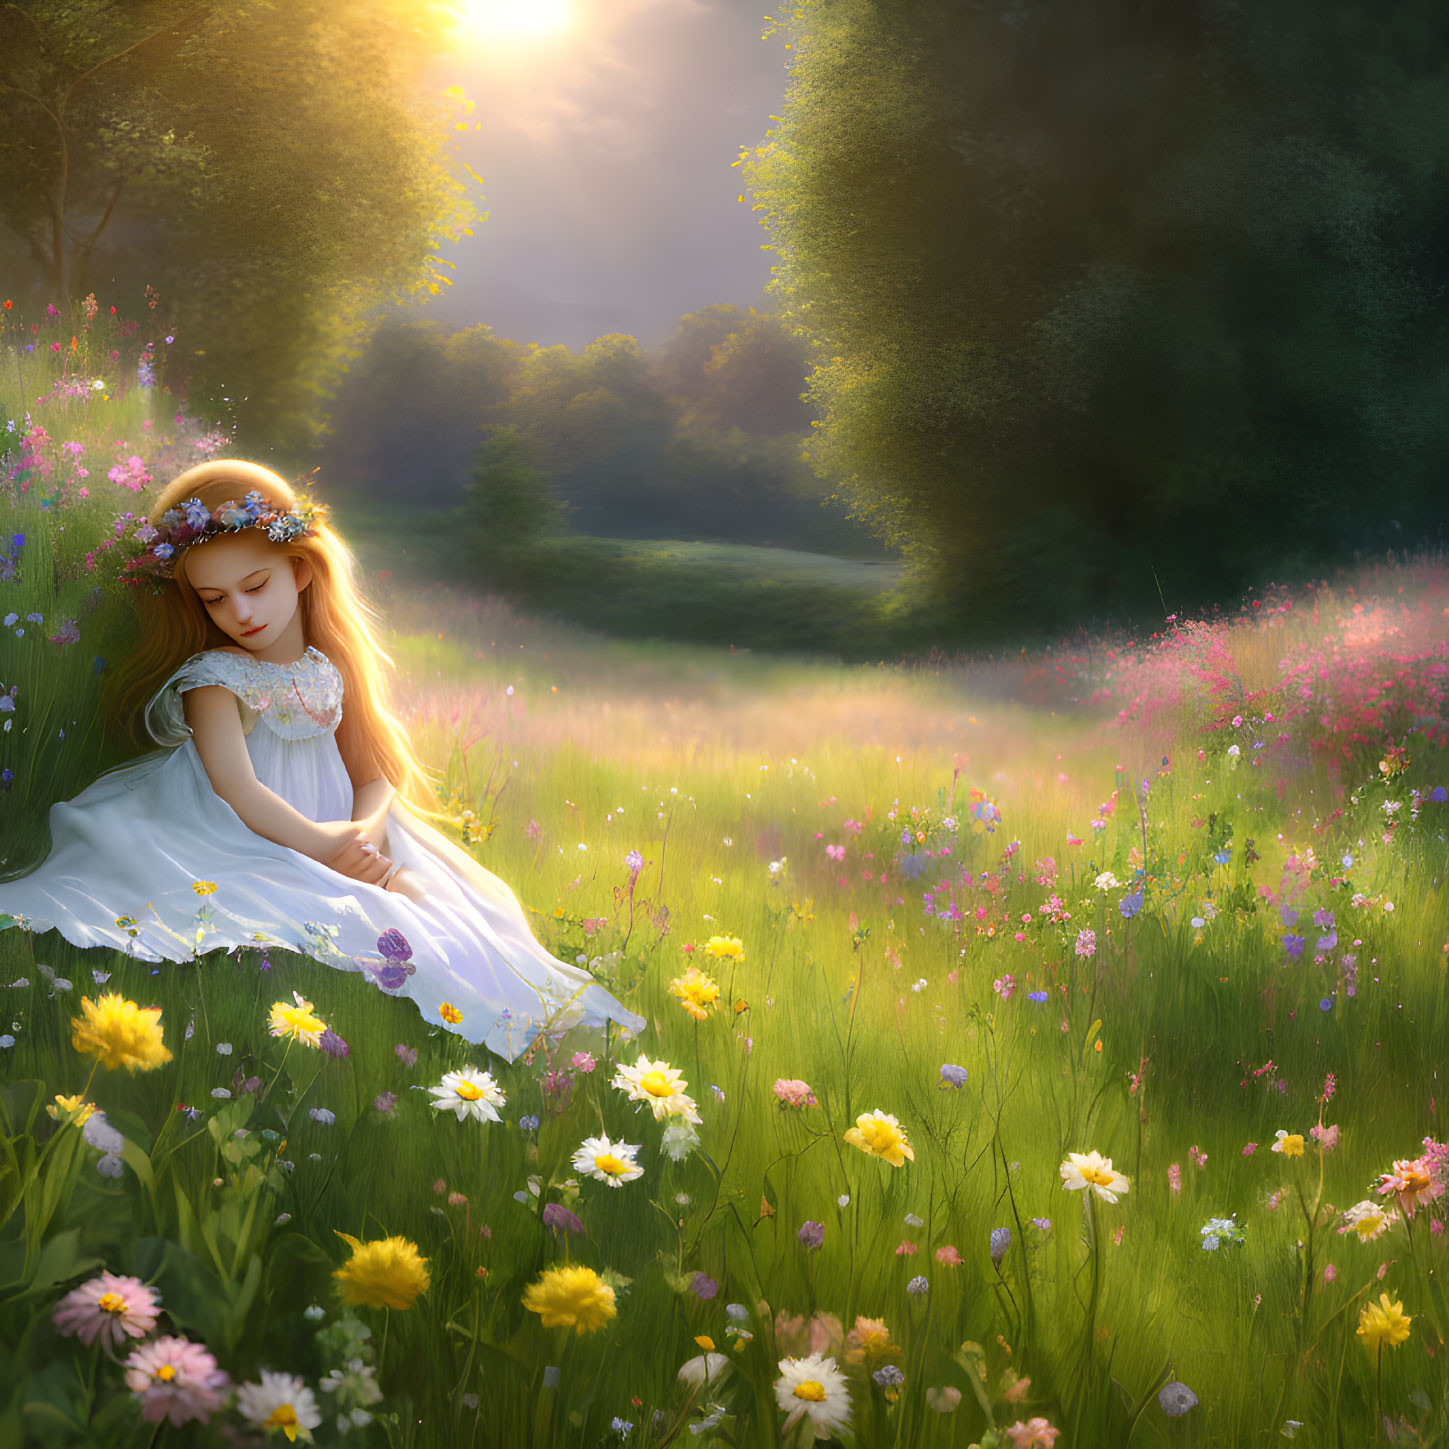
[607,133]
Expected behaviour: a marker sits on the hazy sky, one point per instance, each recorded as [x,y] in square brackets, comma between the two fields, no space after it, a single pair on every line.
[605,150]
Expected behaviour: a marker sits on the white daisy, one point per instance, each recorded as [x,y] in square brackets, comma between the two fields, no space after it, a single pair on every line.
[813,1387]
[1091,1169]
[469,1092]
[658,1084]
[605,1161]
[280,1401]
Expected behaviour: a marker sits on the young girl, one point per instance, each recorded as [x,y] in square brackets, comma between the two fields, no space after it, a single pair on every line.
[275,814]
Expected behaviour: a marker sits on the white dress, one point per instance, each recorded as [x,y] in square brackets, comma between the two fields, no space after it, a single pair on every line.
[127,853]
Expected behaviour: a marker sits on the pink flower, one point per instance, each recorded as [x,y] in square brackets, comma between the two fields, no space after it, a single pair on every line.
[948,1254]
[1086,943]
[112,1307]
[835,852]
[1325,1137]
[1003,986]
[1034,1434]
[794,1093]
[1329,1273]
[176,1379]
[582,1062]
[907,1250]
[1174,1177]
[1199,1159]
[1250,1149]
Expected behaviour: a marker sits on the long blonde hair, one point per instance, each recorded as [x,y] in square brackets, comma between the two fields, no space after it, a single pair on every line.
[335,619]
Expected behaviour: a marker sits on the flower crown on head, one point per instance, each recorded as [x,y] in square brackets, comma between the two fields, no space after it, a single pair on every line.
[192,522]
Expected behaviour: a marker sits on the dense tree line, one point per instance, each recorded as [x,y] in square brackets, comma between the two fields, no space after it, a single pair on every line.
[1120,301]
[700,438]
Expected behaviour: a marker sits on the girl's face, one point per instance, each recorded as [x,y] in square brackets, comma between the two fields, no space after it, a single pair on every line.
[248,586]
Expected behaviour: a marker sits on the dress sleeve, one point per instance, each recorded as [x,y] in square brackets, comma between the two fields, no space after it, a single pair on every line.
[165,720]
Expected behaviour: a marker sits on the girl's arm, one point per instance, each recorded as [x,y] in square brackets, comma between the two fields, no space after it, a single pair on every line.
[216,728]
[370,804]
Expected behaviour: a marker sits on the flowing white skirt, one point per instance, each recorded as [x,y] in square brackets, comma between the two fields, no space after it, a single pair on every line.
[127,853]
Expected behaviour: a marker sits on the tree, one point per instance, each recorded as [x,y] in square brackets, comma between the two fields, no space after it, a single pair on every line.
[1117,291]
[272,171]
[509,509]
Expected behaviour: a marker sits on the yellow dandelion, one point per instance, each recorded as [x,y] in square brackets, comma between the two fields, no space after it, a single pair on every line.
[697,992]
[574,1298]
[73,1109]
[387,1273]
[297,1021]
[450,1013]
[881,1135]
[118,1033]
[723,948]
[1382,1323]
[203,887]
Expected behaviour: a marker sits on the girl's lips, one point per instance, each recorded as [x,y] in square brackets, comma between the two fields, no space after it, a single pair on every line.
[247,633]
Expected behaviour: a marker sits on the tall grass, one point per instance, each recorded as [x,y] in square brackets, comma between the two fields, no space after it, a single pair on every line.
[908,857]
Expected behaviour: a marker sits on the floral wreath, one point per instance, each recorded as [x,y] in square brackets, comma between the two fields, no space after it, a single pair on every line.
[192,522]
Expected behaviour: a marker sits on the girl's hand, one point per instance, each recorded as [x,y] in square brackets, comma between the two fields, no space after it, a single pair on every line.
[360,861]
[407,883]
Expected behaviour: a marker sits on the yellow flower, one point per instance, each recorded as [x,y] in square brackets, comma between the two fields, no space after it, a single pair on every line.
[1383,1323]
[118,1033]
[658,1084]
[696,992]
[879,1134]
[387,1273]
[203,887]
[74,1109]
[1290,1144]
[297,1021]
[721,947]
[450,1013]
[574,1298]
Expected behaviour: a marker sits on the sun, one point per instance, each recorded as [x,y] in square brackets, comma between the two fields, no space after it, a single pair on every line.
[521,18]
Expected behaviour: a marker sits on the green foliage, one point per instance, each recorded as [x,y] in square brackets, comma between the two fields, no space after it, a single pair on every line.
[249,163]
[1113,294]
[509,510]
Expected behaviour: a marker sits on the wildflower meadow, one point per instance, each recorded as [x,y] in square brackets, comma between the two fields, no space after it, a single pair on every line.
[1042,1049]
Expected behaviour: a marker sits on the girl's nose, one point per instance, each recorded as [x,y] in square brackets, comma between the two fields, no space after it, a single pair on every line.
[243,609]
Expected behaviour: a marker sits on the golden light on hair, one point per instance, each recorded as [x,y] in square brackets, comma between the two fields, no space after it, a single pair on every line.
[336,619]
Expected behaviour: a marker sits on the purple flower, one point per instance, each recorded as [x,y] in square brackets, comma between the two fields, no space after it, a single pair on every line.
[407,1055]
[888,1376]
[322,1115]
[1288,915]
[1176,1399]
[1293,945]
[1328,942]
[1130,905]
[393,975]
[1323,919]
[393,945]
[1044,1224]
[529,1123]
[1000,1242]
[634,861]
[1438,794]
[811,1234]
[703,1286]
[1036,996]
[333,1044]
[560,1219]
[918,1285]
[953,1076]
[385,1101]
[1326,1004]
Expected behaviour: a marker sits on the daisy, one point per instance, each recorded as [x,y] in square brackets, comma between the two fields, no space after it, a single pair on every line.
[469,1093]
[280,1401]
[813,1388]
[111,1307]
[605,1161]
[1369,1220]
[1091,1169]
[175,1379]
[658,1084]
